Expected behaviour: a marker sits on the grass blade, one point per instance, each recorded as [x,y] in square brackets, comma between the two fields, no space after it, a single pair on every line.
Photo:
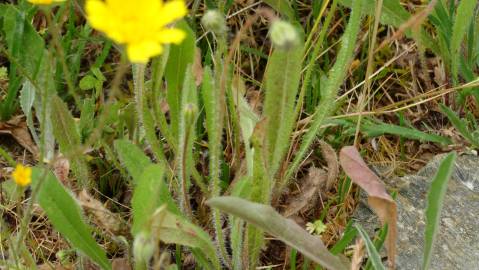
[459,124]
[378,129]
[435,200]
[336,76]
[464,15]
[373,253]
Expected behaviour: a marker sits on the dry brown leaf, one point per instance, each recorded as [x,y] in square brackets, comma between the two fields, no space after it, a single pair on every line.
[378,198]
[358,254]
[332,160]
[197,68]
[47,266]
[18,129]
[120,264]
[310,192]
[103,216]
[61,168]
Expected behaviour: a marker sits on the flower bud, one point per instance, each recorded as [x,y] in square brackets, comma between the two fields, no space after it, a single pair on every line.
[143,248]
[215,22]
[283,35]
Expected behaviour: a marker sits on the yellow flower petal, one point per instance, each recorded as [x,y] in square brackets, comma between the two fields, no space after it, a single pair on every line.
[22,175]
[172,11]
[140,25]
[171,35]
[141,52]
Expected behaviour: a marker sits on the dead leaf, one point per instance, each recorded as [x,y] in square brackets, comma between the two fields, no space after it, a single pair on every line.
[378,198]
[61,168]
[309,195]
[358,255]
[18,129]
[332,160]
[197,68]
[47,266]
[120,264]
[106,219]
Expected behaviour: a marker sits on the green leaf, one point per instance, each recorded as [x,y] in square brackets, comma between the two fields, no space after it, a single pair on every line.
[24,45]
[266,218]
[281,86]
[173,229]
[435,200]
[464,15]
[393,13]
[283,7]
[66,133]
[378,129]
[88,82]
[65,215]
[132,157]
[44,88]
[373,253]
[459,124]
[87,117]
[180,57]
[348,236]
[27,97]
[146,196]
[136,163]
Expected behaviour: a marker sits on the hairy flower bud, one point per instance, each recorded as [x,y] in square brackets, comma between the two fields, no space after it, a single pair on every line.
[143,248]
[283,35]
[215,22]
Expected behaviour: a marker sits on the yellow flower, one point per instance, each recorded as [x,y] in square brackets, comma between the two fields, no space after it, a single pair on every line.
[22,175]
[140,25]
[44,2]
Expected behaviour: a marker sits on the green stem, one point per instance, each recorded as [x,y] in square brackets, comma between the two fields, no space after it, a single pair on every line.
[221,73]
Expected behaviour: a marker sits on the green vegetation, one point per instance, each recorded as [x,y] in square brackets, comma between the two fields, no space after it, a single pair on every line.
[189,160]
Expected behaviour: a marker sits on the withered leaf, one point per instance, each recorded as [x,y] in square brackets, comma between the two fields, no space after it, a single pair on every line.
[18,129]
[197,68]
[104,217]
[332,161]
[378,198]
[309,192]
